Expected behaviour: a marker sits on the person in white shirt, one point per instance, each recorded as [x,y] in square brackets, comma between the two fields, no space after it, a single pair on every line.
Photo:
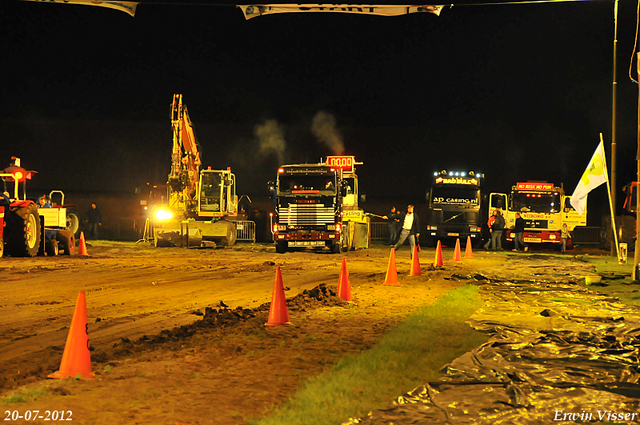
[410,229]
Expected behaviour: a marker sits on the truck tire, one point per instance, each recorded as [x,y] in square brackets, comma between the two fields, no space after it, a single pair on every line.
[24,232]
[281,247]
[66,242]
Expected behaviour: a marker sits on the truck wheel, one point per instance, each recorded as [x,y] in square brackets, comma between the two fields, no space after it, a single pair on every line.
[66,242]
[335,247]
[51,247]
[24,232]
[281,247]
[73,223]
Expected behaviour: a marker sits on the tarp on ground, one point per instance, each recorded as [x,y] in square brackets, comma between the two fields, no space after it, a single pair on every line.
[558,353]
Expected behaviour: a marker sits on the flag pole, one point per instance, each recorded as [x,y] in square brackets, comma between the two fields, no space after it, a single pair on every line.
[613,217]
[636,254]
[613,109]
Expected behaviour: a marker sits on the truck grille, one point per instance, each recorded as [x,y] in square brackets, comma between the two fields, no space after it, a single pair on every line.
[306,215]
[536,224]
[454,217]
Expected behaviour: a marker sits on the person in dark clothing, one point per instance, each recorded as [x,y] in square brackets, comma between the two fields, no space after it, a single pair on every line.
[93,220]
[410,229]
[496,231]
[393,223]
[518,229]
[5,201]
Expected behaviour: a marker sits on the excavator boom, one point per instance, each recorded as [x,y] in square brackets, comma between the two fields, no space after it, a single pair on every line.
[185,158]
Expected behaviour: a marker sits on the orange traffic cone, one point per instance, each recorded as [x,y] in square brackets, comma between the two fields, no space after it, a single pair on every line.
[468,253]
[438,260]
[392,274]
[82,249]
[76,360]
[278,313]
[456,251]
[415,263]
[344,288]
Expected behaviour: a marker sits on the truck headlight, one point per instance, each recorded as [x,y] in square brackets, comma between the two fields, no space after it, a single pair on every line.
[164,214]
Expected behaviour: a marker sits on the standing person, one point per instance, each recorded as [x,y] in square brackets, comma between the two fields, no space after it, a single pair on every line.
[492,218]
[93,219]
[564,234]
[496,231]
[519,231]
[410,229]
[393,220]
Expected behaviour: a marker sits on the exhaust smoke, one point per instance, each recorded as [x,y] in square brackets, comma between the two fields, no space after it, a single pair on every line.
[271,137]
[324,128]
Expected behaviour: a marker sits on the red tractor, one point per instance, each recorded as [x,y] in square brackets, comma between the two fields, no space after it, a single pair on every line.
[26,230]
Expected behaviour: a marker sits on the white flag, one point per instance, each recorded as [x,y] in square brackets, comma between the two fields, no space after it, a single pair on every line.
[125,6]
[594,176]
[251,11]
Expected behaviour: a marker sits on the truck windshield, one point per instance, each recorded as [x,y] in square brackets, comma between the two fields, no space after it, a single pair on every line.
[307,184]
[455,195]
[536,202]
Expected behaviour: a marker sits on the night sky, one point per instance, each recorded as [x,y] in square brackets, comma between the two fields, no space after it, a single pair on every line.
[519,92]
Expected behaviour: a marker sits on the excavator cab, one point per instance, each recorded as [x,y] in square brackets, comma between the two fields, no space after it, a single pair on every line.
[217,195]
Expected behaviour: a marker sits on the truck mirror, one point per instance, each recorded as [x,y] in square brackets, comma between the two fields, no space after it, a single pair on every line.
[272,187]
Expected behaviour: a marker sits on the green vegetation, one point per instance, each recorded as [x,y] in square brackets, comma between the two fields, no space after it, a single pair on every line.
[616,280]
[24,395]
[409,356]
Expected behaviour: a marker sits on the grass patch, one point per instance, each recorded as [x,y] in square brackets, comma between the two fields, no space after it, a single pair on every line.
[408,356]
[624,289]
[24,396]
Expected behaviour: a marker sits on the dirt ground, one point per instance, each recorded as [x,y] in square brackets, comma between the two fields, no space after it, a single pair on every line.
[178,335]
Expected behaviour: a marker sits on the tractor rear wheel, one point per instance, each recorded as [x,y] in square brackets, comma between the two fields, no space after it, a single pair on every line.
[24,232]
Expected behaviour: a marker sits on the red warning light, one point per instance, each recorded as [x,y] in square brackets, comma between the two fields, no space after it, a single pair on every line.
[19,174]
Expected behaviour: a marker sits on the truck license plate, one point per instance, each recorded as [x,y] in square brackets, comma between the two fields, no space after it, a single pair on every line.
[536,240]
[453,234]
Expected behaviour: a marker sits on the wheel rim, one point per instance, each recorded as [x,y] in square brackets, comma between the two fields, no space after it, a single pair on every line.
[31,231]
[73,223]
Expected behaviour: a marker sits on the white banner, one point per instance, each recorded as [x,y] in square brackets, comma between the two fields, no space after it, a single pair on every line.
[251,11]
[593,176]
[124,6]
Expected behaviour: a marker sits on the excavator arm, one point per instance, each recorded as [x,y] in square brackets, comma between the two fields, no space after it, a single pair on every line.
[185,159]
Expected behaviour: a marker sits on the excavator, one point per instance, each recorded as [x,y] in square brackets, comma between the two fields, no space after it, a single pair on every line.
[200,203]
